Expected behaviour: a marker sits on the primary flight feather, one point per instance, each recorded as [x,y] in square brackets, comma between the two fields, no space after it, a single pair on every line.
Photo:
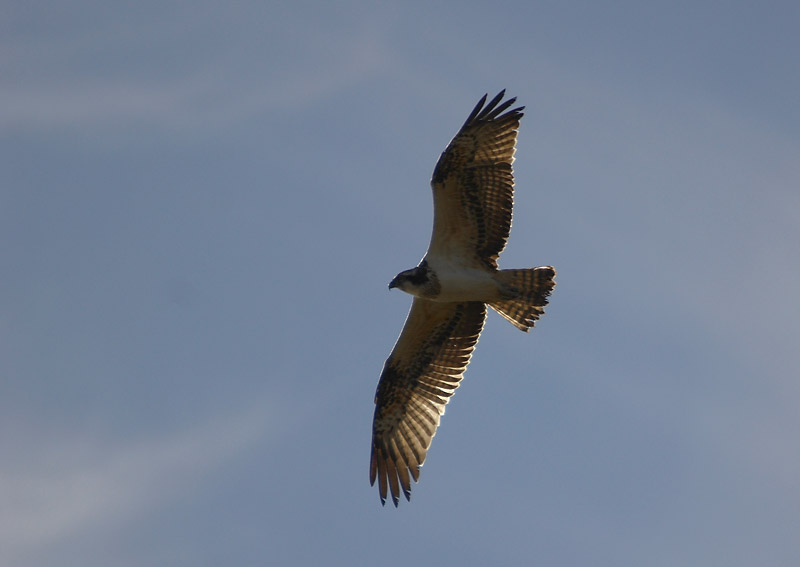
[473,191]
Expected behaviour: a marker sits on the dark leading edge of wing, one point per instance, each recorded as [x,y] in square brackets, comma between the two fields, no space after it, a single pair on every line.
[473,184]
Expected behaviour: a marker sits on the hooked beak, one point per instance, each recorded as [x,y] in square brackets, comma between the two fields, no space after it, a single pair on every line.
[393,283]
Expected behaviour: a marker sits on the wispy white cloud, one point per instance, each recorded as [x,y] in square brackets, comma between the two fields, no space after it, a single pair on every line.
[70,485]
[90,102]
[44,89]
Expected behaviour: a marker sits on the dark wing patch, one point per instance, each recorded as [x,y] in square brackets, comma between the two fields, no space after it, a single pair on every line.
[423,371]
[473,184]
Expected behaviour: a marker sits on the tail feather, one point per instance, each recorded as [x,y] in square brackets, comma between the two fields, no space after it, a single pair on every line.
[529,289]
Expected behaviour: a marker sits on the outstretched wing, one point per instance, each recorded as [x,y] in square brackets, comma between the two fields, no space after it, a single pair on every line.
[419,377]
[473,185]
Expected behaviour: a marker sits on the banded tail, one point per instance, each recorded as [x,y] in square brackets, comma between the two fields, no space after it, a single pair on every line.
[532,287]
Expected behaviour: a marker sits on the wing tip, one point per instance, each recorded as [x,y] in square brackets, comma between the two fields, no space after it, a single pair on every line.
[494,109]
[390,482]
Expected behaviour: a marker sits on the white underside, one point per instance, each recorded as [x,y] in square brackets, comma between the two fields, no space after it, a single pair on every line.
[463,283]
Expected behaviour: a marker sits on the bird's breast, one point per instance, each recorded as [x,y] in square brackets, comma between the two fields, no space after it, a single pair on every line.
[460,282]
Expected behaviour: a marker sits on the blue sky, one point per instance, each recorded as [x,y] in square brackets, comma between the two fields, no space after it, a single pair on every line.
[202,205]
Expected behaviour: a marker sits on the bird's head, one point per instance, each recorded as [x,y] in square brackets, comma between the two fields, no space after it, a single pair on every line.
[414,281]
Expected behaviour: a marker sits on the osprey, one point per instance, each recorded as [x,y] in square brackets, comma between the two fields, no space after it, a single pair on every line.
[473,187]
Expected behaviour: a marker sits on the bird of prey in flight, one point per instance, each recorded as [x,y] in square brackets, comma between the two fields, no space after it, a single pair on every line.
[473,185]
